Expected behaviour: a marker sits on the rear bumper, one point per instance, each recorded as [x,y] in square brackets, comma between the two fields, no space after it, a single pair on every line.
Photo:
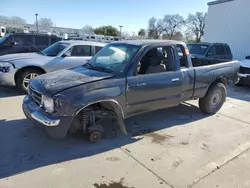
[54,127]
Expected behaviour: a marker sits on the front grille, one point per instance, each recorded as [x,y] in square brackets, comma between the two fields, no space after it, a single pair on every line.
[244,70]
[35,95]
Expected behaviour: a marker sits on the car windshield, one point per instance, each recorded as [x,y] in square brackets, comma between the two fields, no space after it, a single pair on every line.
[113,57]
[2,40]
[55,49]
[197,48]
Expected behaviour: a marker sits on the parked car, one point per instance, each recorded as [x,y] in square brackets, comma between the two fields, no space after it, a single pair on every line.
[19,69]
[122,80]
[244,72]
[209,53]
[26,42]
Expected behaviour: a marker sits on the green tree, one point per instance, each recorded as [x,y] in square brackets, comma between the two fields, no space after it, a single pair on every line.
[107,30]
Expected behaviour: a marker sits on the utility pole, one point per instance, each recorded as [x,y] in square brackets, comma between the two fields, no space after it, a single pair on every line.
[120,31]
[36,23]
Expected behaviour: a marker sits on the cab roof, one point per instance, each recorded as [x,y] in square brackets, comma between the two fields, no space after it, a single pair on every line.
[81,42]
[151,42]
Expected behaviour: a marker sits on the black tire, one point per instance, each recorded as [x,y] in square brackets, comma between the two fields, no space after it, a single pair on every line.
[214,99]
[22,75]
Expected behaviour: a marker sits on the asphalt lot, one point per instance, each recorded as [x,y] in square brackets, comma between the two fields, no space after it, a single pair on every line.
[178,147]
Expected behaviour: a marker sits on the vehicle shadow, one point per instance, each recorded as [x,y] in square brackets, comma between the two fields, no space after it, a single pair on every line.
[239,92]
[6,91]
[23,147]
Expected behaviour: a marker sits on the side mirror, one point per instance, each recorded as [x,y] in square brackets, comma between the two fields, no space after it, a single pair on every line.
[66,54]
[247,57]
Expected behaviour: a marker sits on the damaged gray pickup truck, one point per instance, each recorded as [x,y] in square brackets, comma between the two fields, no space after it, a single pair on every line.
[121,80]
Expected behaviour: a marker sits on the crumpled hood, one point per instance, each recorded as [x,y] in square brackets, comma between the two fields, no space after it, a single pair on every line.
[19,58]
[54,82]
[245,63]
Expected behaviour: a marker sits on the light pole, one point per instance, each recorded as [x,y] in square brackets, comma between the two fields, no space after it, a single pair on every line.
[120,31]
[36,23]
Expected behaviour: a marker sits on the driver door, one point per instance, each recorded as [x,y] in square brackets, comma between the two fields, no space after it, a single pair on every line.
[75,56]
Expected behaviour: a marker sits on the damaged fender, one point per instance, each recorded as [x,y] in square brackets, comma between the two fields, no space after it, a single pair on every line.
[114,107]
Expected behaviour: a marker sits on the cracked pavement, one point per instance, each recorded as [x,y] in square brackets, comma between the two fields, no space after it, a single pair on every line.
[178,147]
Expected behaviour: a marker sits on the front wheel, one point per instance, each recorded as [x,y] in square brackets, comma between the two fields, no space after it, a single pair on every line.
[214,99]
[24,77]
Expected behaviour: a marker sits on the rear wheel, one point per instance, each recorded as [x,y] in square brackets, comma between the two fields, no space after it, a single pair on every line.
[214,99]
[24,77]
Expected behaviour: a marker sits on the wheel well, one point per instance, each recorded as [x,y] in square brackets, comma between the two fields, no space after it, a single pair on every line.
[222,80]
[26,68]
[111,109]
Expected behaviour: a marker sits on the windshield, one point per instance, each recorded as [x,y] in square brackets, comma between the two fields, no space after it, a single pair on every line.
[2,40]
[197,48]
[55,49]
[114,57]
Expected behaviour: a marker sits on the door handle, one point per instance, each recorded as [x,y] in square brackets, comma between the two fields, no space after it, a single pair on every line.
[175,79]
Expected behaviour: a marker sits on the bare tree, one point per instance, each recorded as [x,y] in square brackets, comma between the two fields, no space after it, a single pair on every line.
[12,20]
[142,33]
[172,24]
[45,23]
[196,24]
[18,20]
[155,28]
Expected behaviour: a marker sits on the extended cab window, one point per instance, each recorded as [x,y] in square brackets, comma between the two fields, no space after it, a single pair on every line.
[80,50]
[157,60]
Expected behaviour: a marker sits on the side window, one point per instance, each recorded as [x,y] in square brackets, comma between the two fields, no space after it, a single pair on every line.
[20,39]
[97,49]
[220,50]
[182,56]
[81,50]
[228,49]
[41,40]
[211,51]
[156,60]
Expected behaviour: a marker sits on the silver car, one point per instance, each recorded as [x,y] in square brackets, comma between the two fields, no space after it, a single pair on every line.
[19,69]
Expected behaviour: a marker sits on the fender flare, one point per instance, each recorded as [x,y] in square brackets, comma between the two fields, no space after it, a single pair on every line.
[115,106]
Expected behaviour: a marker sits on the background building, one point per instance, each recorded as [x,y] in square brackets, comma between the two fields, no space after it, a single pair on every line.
[228,21]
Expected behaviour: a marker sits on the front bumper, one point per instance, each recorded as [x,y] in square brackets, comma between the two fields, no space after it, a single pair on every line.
[8,78]
[54,127]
